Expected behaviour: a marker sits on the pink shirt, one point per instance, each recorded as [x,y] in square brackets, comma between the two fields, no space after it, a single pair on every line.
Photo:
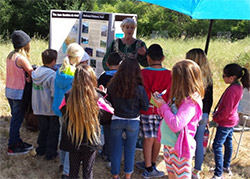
[227,115]
[185,121]
[15,78]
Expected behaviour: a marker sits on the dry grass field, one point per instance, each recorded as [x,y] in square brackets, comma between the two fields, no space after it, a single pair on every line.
[28,166]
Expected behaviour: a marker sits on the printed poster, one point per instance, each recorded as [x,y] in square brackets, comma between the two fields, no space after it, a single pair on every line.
[94,36]
[64,28]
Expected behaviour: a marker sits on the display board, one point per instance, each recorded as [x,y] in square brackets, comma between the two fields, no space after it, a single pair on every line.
[94,37]
[64,30]
[94,31]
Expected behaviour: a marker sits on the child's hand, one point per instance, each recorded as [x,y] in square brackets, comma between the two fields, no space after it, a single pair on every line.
[102,88]
[157,100]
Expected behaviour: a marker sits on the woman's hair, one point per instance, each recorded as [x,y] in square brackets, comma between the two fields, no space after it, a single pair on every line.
[128,21]
[236,70]
[82,107]
[23,51]
[74,55]
[186,80]
[199,56]
[126,79]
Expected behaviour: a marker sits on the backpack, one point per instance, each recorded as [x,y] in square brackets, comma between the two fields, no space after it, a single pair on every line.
[106,109]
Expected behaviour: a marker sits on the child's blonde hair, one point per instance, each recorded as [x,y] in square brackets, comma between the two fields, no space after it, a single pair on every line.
[74,56]
[24,51]
[82,107]
[186,80]
[199,56]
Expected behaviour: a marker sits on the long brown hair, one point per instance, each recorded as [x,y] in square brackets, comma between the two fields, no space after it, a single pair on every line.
[186,80]
[126,79]
[199,56]
[82,107]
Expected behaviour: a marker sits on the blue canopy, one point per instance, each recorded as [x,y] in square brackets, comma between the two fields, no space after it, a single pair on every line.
[208,9]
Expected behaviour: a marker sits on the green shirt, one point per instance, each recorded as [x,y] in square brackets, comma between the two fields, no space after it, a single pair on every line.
[124,51]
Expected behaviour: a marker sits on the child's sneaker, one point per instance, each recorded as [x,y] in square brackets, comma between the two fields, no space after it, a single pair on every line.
[17,150]
[228,171]
[195,174]
[159,172]
[140,165]
[153,173]
[26,145]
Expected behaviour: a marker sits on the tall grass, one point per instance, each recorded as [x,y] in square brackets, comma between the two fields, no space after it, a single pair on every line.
[37,46]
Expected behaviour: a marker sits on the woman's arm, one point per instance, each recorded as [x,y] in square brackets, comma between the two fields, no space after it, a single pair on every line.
[142,55]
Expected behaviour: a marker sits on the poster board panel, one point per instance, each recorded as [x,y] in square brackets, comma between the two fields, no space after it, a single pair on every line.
[94,37]
[64,30]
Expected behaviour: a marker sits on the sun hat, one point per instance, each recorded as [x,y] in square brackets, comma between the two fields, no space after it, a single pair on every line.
[20,39]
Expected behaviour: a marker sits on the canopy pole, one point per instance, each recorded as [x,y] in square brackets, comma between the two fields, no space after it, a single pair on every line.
[208,35]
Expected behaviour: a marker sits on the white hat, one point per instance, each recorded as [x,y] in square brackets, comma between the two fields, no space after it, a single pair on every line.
[85,57]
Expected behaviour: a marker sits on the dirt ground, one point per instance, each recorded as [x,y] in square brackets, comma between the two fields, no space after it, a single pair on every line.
[30,167]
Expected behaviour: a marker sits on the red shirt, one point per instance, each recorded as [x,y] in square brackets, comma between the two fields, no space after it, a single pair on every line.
[227,115]
[156,80]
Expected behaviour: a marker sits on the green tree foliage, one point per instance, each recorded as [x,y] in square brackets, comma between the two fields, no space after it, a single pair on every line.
[33,17]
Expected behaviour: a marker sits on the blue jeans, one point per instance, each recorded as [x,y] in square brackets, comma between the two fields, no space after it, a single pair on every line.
[64,156]
[223,136]
[17,115]
[199,152]
[131,129]
[106,149]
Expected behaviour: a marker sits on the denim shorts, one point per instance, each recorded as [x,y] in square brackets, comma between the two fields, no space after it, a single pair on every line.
[149,125]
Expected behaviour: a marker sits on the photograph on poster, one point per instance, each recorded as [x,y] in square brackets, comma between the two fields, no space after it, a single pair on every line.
[66,43]
[104,30]
[85,27]
[89,51]
[74,28]
[84,40]
[103,43]
[93,63]
[100,53]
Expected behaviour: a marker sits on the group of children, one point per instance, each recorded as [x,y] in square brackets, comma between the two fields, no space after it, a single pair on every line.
[162,106]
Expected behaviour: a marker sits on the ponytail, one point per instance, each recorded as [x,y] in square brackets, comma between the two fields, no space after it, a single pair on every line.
[245,79]
[65,64]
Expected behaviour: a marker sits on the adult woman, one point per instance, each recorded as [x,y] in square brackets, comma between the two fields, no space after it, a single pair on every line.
[128,46]
[17,66]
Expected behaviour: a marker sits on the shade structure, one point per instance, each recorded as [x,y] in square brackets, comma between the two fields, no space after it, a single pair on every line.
[208,9]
